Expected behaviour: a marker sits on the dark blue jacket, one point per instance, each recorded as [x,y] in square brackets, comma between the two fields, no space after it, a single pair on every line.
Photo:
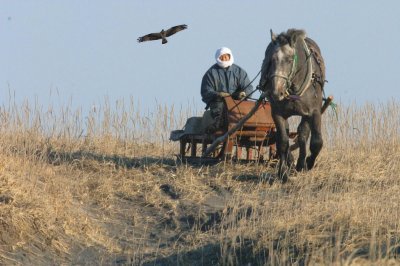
[217,79]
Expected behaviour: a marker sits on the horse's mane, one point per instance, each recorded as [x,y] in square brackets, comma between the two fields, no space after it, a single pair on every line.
[291,34]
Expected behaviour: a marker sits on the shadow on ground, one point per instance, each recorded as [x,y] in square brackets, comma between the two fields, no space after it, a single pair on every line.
[215,254]
[55,157]
[253,178]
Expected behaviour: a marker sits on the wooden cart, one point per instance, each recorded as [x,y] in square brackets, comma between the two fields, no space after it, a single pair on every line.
[254,141]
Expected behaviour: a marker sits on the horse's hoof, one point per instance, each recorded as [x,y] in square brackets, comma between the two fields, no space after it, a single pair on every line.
[284,178]
[310,163]
[301,167]
[271,181]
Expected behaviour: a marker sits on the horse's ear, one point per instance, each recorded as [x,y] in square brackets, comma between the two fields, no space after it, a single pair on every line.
[273,36]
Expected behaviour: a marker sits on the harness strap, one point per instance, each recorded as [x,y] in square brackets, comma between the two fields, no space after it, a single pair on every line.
[308,78]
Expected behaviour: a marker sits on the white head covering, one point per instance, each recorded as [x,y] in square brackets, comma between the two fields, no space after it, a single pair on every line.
[221,51]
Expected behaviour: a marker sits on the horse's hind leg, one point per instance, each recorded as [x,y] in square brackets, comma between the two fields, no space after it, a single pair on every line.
[303,133]
[316,141]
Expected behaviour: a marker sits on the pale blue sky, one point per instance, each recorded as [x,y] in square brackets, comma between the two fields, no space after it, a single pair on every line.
[87,50]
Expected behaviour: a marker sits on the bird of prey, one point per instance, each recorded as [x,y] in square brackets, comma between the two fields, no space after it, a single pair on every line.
[162,34]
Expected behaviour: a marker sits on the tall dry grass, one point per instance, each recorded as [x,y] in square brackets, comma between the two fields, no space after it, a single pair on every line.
[103,187]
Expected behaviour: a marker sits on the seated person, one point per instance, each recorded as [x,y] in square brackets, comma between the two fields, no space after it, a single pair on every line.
[223,79]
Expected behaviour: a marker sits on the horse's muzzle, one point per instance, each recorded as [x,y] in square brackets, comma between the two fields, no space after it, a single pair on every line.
[278,88]
[278,95]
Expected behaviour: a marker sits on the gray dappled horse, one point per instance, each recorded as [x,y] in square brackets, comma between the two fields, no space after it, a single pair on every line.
[293,76]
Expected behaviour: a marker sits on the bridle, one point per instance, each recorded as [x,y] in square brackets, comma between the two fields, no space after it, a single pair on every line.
[294,71]
[288,79]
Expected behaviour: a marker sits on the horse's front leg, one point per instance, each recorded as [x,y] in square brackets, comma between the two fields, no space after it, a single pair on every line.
[282,145]
[316,141]
[303,133]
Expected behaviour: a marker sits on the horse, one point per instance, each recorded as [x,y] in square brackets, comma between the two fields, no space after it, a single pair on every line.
[293,78]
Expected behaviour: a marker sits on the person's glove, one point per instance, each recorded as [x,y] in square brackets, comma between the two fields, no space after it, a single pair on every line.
[242,95]
[223,94]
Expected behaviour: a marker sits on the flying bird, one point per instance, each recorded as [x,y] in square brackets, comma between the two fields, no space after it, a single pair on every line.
[163,34]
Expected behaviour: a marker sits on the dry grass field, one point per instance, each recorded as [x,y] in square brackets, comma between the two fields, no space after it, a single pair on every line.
[105,189]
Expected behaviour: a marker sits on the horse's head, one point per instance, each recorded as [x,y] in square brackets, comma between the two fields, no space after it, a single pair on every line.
[279,65]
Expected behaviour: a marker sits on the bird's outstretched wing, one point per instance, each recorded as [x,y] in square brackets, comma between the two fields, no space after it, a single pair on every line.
[175,29]
[150,37]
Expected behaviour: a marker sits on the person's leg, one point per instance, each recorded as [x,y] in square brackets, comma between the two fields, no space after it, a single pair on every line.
[217,109]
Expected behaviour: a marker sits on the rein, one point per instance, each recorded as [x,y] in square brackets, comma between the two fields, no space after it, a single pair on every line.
[247,96]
